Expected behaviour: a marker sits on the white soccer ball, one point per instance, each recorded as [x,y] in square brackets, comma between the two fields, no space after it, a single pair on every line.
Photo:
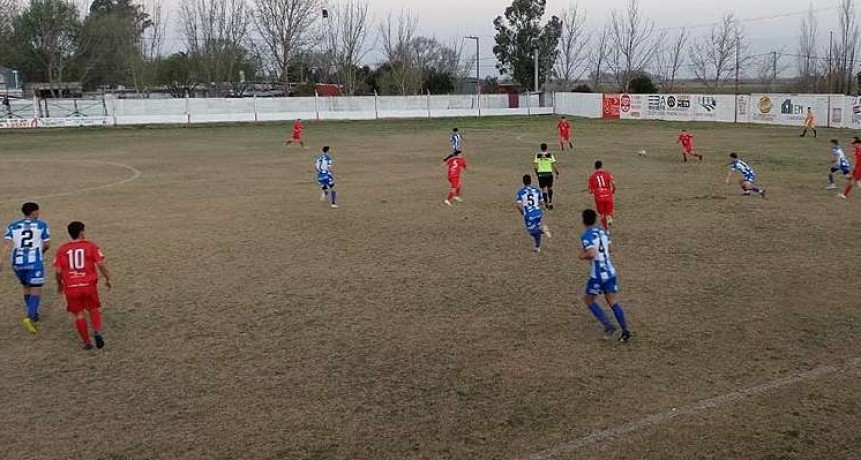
[642,152]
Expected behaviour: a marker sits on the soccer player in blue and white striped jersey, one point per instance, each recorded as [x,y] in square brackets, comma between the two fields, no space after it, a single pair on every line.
[27,241]
[602,276]
[839,162]
[456,141]
[748,176]
[529,202]
[325,178]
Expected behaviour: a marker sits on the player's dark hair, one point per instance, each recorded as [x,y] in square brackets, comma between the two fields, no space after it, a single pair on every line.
[835,142]
[527,179]
[29,208]
[454,130]
[598,164]
[856,140]
[75,228]
[543,146]
[325,149]
[589,217]
[733,155]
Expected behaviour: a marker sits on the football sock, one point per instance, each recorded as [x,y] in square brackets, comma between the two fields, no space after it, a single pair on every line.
[550,195]
[847,190]
[81,326]
[450,196]
[96,320]
[457,192]
[756,190]
[604,222]
[544,197]
[27,302]
[33,306]
[536,235]
[831,178]
[620,316]
[600,315]
[334,196]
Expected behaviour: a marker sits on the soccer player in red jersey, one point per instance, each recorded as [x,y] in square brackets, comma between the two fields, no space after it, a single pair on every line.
[602,186]
[687,142]
[297,134]
[77,265]
[564,128]
[856,173]
[455,165]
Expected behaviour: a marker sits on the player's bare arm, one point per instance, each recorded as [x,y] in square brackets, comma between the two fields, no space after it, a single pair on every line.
[589,254]
[59,277]
[103,268]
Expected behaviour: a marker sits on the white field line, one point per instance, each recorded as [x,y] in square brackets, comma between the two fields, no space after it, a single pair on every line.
[598,437]
[135,175]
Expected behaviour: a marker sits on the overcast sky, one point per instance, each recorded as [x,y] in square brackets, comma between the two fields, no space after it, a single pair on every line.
[452,19]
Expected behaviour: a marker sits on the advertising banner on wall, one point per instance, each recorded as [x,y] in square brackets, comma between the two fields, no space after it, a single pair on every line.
[610,106]
[18,123]
[631,107]
[789,109]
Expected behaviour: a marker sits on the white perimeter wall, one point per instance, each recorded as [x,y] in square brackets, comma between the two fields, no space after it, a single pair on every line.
[58,113]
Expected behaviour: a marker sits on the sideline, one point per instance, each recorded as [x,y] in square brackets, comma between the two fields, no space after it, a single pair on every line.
[618,432]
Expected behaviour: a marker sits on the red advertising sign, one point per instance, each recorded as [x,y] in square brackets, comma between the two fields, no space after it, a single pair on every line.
[611,104]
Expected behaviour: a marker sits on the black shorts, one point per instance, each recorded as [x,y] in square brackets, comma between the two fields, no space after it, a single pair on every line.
[545,180]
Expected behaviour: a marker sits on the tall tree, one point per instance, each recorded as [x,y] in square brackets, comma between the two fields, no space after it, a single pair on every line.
[845,45]
[520,38]
[599,55]
[216,33]
[346,41]
[717,57]
[398,40]
[809,63]
[284,28]
[8,13]
[573,46]
[109,43]
[633,39]
[669,60]
[48,31]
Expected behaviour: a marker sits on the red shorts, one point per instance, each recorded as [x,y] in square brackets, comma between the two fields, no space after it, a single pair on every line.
[83,298]
[565,136]
[454,182]
[857,173]
[604,206]
[687,149]
[297,136]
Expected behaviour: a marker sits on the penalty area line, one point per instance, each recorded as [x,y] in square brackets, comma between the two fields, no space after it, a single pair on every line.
[618,432]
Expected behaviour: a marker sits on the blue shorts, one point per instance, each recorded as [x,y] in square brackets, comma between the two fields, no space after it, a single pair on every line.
[326,181]
[596,286]
[532,221]
[31,277]
[843,168]
[750,178]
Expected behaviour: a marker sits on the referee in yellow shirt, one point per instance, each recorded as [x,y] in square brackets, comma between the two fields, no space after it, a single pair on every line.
[545,169]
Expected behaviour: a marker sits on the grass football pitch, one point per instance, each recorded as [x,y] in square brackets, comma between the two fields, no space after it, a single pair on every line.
[249,320]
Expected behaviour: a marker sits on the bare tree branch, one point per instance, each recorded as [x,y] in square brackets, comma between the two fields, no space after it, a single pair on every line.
[633,40]
[284,27]
[714,58]
[346,41]
[573,47]
[599,55]
[809,61]
[669,60]
[398,36]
